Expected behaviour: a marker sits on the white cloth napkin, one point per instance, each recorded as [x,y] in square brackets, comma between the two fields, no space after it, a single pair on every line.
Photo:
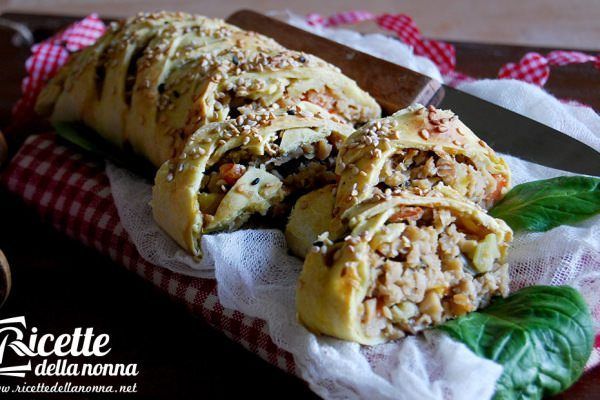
[257,277]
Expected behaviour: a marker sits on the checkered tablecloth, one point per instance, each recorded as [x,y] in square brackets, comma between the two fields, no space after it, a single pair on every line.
[73,194]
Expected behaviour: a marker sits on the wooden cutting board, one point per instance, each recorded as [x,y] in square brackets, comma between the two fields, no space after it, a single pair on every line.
[579,82]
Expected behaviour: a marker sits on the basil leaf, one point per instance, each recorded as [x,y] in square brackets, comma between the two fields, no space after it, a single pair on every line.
[542,205]
[542,336]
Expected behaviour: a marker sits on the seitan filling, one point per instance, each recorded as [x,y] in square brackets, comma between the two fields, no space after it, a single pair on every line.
[428,267]
[300,170]
[424,169]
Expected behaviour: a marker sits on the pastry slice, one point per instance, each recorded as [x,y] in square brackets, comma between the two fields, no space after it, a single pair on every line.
[251,165]
[408,262]
[418,148]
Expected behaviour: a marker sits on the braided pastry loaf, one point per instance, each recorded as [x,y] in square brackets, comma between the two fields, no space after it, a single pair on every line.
[153,80]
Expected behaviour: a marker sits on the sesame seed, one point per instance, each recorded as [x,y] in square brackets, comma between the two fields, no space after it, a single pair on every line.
[424,133]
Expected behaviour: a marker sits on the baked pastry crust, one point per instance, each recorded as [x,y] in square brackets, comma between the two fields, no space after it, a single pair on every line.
[397,272]
[153,80]
[310,217]
[418,147]
[266,148]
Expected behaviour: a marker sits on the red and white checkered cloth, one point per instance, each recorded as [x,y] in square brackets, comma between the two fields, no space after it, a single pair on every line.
[533,67]
[48,56]
[441,53]
[74,195]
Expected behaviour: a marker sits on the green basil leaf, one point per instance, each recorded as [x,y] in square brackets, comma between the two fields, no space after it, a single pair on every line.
[542,205]
[541,335]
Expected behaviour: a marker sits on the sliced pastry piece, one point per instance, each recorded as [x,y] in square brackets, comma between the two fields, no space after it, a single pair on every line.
[153,80]
[408,262]
[418,147]
[230,170]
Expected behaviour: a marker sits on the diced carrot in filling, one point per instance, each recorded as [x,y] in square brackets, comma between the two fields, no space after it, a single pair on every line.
[322,99]
[407,213]
[230,172]
[500,185]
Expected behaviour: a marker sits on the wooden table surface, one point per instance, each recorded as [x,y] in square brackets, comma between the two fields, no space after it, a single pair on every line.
[58,283]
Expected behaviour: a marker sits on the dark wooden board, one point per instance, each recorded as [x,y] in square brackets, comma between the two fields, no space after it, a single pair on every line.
[180,356]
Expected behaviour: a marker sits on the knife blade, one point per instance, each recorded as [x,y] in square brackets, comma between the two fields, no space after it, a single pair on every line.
[396,87]
[511,133]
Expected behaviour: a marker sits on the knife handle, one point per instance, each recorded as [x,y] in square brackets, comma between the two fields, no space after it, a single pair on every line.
[394,87]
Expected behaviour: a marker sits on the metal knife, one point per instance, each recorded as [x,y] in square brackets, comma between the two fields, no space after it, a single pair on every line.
[396,87]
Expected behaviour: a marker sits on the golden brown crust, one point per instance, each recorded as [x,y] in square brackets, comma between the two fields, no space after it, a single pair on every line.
[310,217]
[153,80]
